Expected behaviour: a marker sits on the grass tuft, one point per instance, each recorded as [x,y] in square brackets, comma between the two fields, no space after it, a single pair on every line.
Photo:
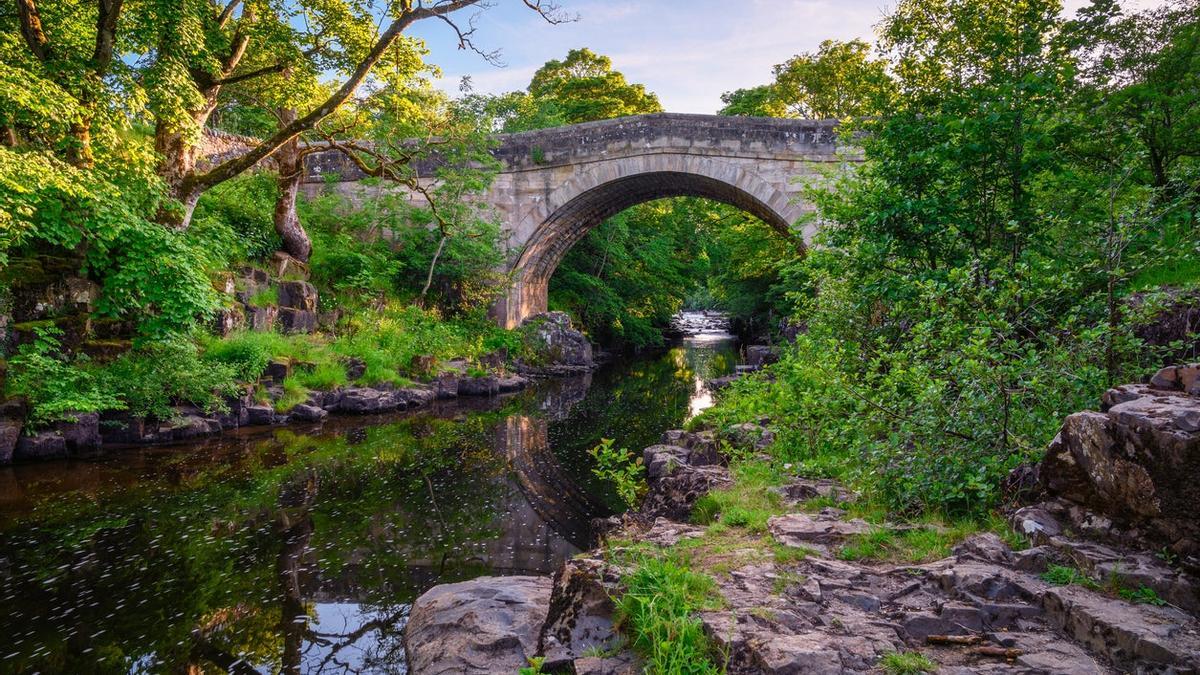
[748,503]
[656,612]
[907,663]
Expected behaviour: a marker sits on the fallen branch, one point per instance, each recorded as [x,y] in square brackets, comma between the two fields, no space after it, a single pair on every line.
[954,639]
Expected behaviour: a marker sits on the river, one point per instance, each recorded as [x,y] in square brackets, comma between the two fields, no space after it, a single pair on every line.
[299,549]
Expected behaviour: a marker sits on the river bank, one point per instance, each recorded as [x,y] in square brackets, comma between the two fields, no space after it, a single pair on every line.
[734,564]
[281,545]
[551,348]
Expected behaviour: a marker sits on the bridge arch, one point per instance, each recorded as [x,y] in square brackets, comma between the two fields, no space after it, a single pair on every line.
[551,226]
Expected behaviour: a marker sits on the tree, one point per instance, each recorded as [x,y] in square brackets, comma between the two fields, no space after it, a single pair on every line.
[178,148]
[1144,68]
[760,101]
[187,54]
[839,81]
[583,87]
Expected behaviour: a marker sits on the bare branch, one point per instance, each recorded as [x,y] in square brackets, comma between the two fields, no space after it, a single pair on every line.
[227,13]
[465,42]
[237,165]
[552,12]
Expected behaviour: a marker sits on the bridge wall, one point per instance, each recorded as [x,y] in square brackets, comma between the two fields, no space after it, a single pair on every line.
[557,184]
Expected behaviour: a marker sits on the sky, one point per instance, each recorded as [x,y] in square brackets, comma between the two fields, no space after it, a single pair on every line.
[687,51]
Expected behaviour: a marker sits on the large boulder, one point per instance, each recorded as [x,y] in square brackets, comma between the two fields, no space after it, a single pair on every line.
[81,433]
[1138,461]
[675,484]
[554,347]
[486,625]
[580,617]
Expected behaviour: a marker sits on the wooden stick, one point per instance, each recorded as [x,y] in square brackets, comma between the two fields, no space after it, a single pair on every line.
[953,639]
[998,652]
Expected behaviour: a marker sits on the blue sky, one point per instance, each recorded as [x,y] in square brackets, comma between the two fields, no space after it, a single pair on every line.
[686,51]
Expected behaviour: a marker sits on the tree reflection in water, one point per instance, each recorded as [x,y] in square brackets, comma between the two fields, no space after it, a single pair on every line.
[300,552]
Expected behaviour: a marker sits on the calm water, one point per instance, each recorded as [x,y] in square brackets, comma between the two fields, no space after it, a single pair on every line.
[299,550]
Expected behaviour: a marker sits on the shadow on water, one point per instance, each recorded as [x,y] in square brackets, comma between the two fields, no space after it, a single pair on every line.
[299,550]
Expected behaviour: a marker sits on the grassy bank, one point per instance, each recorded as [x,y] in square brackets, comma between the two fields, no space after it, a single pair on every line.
[394,343]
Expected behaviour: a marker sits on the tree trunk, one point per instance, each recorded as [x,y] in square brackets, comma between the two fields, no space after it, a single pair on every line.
[176,169]
[291,172]
[80,151]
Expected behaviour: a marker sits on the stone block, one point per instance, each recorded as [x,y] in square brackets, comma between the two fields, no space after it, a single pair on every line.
[487,385]
[308,413]
[40,446]
[298,295]
[297,320]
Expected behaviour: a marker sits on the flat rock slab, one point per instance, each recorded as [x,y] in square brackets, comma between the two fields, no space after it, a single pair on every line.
[486,625]
[1133,636]
[802,529]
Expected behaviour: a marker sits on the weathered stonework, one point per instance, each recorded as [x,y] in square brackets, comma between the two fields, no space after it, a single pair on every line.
[557,184]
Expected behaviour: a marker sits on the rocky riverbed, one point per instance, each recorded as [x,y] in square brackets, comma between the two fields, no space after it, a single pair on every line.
[1109,502]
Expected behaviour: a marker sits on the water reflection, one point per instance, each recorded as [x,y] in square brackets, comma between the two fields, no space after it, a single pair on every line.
[299,551]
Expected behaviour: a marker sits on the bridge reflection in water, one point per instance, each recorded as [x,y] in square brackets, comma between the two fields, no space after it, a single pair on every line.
[299,551]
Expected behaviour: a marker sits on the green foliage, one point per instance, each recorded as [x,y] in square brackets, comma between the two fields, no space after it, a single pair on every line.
[157,375]
[155,276]
[386,338]
[966,294]
[581,88]
[907,663]
[585,87]
[245,354]
[655,611]
[384,247]
[630,275]
[619,467]
[838,81]
[760,101]
[55,385]
[919,543]
[1141,595]
[244,206]
[534,667]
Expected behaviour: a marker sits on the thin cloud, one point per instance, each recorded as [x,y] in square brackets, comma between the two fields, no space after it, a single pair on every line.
[688,52]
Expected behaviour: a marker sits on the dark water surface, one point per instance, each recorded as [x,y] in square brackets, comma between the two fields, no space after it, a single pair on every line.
[298,550]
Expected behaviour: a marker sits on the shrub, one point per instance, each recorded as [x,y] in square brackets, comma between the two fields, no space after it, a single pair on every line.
[245,353]
[55,385]
[620,468]
[907,663]
[156,375]
[245,205]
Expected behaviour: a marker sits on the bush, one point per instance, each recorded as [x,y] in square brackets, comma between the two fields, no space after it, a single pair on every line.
[245,206]
[55,385]
[930,422]
[618,467]
[157,375]
[246,354]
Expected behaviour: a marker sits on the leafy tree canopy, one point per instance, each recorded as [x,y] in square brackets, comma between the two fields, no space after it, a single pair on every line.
[838,81]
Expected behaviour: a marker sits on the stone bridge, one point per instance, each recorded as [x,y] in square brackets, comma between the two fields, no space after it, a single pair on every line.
[557,184]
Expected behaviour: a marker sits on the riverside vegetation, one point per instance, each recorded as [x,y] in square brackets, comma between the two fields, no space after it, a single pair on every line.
[1021,237]
[1027,207]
